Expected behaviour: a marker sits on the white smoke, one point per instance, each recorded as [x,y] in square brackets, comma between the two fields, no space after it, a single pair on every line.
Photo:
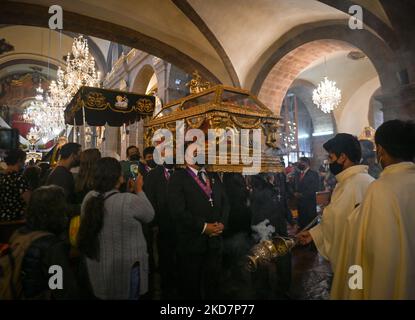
[263,231]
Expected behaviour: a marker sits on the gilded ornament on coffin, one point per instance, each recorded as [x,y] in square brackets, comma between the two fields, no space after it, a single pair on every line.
[246,123]
[195,122]
[196,85]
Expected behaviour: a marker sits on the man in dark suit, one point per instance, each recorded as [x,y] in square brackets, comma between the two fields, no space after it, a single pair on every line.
[147,163]
[307,184]
[156,190]
[200,208]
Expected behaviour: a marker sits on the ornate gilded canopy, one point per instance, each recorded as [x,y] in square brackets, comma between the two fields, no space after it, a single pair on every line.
[102,106]
[227,108]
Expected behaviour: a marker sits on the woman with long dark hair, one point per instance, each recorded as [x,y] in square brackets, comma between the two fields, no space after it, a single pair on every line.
[85,177]
[111,235]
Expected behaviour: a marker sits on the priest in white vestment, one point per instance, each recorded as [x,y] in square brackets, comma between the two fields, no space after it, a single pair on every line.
[344,153]
[377,257]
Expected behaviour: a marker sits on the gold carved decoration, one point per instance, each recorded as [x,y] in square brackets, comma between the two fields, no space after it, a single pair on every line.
[272,136]
[195,122]
[196,85]
[214,113]
[245,123]
[144,105]
[96,100]
[368,134]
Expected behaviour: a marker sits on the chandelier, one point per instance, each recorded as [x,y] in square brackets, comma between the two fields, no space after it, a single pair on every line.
[48,120]
[48,116]
[327,96]
[80,71]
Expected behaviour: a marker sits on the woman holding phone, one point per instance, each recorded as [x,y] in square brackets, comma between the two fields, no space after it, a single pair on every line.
[111,235]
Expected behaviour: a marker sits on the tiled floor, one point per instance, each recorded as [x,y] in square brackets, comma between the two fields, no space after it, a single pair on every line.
[311,275]
[311,278]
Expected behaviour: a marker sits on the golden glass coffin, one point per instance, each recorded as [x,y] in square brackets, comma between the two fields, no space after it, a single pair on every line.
[236,112]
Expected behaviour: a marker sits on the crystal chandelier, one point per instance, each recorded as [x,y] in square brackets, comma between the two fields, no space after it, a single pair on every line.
[48,120]
[327,96]
[48,116]
[80,71]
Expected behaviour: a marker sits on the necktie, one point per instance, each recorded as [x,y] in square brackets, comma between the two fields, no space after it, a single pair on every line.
[201,176]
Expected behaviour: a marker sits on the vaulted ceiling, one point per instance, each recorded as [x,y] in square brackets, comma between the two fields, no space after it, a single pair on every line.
[228,41]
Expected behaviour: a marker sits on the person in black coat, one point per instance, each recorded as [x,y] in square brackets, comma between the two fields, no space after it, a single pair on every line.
[156,191]
[307,184]
[238,194]
[200,217]
[46,212]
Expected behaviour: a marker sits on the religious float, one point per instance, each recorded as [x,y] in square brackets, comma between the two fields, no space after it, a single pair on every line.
[228,113]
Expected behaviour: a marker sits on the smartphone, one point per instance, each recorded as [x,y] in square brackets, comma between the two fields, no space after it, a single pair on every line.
[134,170]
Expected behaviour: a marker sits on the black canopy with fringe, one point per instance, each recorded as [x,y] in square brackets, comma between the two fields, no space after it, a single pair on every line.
[104,106]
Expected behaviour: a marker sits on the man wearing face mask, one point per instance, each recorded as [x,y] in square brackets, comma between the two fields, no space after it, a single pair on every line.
[163,227]
[61,176]
[307,184]
[379,235]
[147,163]
[344,154]
[200,210]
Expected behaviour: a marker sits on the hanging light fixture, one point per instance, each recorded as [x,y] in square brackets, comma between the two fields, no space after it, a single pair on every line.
[80,71]
[327,96]
[48,115]
[48,120]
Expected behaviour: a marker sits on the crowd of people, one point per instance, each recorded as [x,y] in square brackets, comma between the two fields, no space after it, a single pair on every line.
[149,231]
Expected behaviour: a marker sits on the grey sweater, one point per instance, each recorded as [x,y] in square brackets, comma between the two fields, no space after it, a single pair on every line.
[122,244]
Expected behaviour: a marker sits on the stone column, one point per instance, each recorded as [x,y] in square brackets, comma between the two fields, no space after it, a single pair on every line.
[399,104]
[160,68]
[111,141]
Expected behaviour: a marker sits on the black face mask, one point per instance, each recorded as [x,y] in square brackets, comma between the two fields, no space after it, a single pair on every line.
[76,163]
[335,168]
[151,163]
[301,167]
[168,166]
[135,157]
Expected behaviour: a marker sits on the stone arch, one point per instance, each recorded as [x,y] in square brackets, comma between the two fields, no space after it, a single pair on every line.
[286,71]
[142,78]
[305,44]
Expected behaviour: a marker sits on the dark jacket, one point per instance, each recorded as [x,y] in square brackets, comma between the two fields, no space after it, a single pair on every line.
[307,186]
[238,194]
[265,204]
[43,253]
[155,189]
[191,209]
[62,177]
